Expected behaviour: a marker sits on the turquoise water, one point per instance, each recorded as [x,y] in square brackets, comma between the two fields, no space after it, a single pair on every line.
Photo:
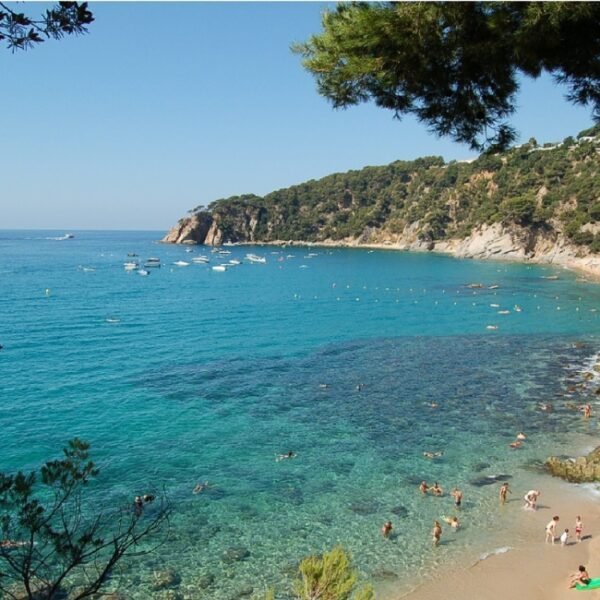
[190,375]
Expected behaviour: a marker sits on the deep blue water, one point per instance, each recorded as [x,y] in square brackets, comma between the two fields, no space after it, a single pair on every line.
[189,375]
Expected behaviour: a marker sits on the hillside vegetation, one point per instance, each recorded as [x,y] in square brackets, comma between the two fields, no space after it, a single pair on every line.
[553,188]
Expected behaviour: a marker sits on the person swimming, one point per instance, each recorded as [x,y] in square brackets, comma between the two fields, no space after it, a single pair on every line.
[200,487]
[433,454]
[436,490]
[289,454]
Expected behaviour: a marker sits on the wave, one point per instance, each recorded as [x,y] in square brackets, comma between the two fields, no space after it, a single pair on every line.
[494,552]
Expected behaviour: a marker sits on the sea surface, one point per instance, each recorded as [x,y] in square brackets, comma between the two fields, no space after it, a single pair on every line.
[358,361]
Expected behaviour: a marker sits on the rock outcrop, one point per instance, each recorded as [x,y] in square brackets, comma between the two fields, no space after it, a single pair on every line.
[191,230]
[577,470]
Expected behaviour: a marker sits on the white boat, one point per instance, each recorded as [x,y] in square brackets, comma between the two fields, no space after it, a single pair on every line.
[254,258]
[224,252]
[200,259]
[143,272]
[235,262]
[152,263]
[131,265]
[219,268]
[87,269]
[181,263]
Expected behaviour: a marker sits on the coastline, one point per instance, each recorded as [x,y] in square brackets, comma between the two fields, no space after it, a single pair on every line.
[585,266]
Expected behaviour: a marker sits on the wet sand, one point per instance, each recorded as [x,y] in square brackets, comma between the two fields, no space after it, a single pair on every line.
[533,569]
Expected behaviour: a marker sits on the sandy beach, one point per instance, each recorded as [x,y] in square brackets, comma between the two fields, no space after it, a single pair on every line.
[533,570]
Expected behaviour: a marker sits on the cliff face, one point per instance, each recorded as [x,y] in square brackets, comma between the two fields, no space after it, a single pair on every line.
[530,203]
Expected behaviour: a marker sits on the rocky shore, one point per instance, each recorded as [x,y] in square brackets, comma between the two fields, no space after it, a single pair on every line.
[488,242]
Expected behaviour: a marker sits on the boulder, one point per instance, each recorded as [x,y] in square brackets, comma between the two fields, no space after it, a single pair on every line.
[577,470]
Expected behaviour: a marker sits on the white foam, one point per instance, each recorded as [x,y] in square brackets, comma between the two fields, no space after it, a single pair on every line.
[495,552]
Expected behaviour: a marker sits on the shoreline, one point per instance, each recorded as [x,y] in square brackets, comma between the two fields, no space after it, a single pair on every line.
[536,570]
[591,270]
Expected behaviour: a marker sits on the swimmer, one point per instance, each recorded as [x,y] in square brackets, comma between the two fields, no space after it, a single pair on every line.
[386,529]
[200,487]
[138,505]
[457,495]
[323,386]
[359,387]
[147,498]
[433,454]
[289,454]
[521,436]
[436,490]
[546,407]
[516,444]
[452,521]
[586,409]
[503,491]
[423,488]
[432,404]
[436,533]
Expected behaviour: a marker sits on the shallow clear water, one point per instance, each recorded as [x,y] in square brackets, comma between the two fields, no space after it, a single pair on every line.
[208,376]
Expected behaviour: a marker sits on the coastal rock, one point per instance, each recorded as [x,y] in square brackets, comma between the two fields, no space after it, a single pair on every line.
[165,579]
[192,229]
[205,581]
[235,554]
[576,470]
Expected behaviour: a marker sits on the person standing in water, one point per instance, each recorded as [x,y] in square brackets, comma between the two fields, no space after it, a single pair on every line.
[386,529]
[551,529]
[436,533]
[457,495]
[503,491]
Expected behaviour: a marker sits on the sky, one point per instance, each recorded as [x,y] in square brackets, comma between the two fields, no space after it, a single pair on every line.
[164,106]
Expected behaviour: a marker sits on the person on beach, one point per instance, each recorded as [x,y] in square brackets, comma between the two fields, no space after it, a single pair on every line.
[531,498]
[457,495]
[503,491]
[289,454]
[436,490]
[578,528]
[436,533]
[581,577]
[386,529]
[551,529]
[564,537]
[423,488]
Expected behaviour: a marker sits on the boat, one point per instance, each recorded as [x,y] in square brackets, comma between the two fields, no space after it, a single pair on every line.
[131,254]
[131,265]
[200,259]
[219,268]
[550,277]
[152,263]
[189,249]
[87,269]
[224,252]
[254,258]
[235,262]
[143,272]
[504,312]
[181,263]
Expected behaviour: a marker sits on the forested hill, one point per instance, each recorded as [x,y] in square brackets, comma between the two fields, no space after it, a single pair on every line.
[551,190]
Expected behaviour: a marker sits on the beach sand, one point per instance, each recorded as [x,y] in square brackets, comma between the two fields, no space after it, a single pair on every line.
[533,569]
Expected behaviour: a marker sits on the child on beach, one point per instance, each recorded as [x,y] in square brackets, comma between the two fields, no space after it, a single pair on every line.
[578,528]
[564,538]
[551,529]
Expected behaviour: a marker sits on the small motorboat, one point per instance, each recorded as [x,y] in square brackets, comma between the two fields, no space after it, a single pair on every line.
[200,260]
[254,258]
[219,268]
[181,263]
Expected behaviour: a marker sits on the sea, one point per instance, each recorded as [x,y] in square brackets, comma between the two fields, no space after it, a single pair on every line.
[358,361]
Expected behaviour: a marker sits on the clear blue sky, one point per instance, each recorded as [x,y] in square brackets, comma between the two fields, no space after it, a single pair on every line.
[164,106]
